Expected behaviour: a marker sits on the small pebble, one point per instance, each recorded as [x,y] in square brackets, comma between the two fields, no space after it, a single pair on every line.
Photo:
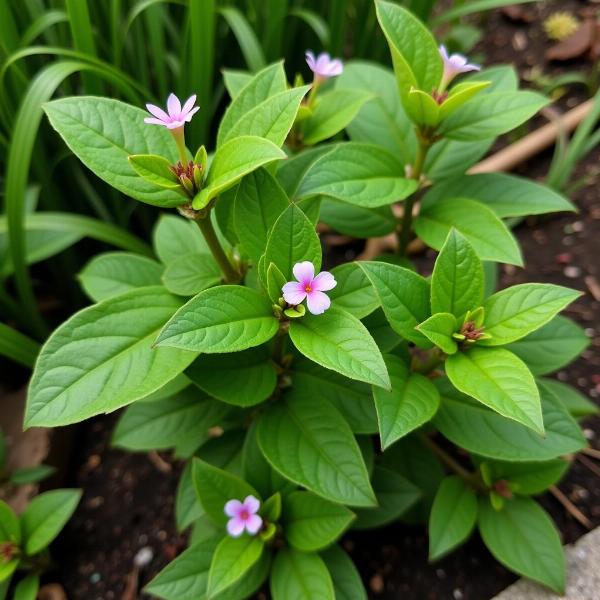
[572,271]
[376,584]
[457,594]
[589,434]
[440,573]
[95,577]
[143,557]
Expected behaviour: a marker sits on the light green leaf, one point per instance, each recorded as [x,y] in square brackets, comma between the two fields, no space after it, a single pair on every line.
[103,133]
[488,235]
[227,318]
[422,109]
[477,429]
[85,367]
[311,523]
[412,402]
[10,530]
[457,280]
[31,474]
[112,273]
[156,170]
[528,478]
[346,579]
[575,402]
[490,115]
[516,311]
[175,236]
[45,516]
[500,380]
[453,516]
[459,94]
[361,174]
[357,221]
[27,588]
[190,274]
[338,341]
[300,576]
[439,329]
[334,111]
[353,292]
[235,81]
[404,297]
[303,438]
[187,506]
[552,346]
[523,524]
[243,378]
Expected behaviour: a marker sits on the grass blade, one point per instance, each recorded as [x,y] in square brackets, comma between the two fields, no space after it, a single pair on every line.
[18,347]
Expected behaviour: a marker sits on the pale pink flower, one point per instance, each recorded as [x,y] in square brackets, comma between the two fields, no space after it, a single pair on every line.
[324,66]
[177,115]
[243,516]
[310,287]
[454,65]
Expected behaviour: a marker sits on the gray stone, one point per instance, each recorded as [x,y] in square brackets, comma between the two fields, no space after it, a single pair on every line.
[583,575]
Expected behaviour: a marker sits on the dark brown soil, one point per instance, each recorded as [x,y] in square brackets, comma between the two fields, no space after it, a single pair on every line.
[128,498]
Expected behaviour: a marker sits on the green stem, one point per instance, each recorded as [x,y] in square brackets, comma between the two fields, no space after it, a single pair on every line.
[179,136]
[417,171]
[208,231]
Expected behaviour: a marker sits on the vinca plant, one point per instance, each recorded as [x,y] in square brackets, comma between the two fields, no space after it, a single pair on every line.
[308,401]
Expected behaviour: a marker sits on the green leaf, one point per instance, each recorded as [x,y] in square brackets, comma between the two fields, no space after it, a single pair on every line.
[232,559]
[291,172]
[353,399]
[232,161]
[27,588]
[404,297]
[575,402]
[18,347]
[362,174]
[10,530]
[552,346]
[488,235]
[292,239]
[475,428]
[500,380]
[357,221]
[258,203]
[243,378]
[227,318]
[395,495]
[183,420]
[112,273]
[45,516]
[175,237]
[346,579]
[300,576]
[528,478]
[490,115]
[453,516]
[338,341]
[235,81]
[275,282]
[103,133]
[439,329]
[523,524]
[422,109]
[412,402]
[514,312]
[271,509]
[334,110]
[156,170]
[459,94]
[31,474]
[215,487]
[415,55]
[187,506]
[272,119]
[268,82]
[507,195]
[303,438]
[85,367]
[353,292]
[191,273]
[311,523]
[457,280]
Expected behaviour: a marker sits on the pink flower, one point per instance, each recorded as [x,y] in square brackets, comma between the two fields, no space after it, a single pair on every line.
[454,65]
[324,66]
[310,287]
[243,516]
[177,116]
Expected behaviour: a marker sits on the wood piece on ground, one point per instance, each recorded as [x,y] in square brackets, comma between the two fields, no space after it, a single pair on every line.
[570,507]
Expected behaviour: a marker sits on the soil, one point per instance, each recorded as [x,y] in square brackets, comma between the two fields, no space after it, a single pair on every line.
[128,498]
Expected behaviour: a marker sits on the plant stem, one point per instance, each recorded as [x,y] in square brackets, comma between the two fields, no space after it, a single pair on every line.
[417,170]
[208,231]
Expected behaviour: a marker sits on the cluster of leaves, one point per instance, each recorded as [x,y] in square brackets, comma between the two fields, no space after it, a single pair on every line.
[24,540]
[268,401]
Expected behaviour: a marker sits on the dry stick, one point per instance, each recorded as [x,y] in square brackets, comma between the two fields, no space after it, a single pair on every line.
[570,507]
[504,160]
[591,452]
[586,462]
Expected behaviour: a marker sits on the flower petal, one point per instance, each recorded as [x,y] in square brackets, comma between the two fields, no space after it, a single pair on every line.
[158,112]
[253,524]
[235,526]
[310,59]
[189,104]
[252,504]
[317,302]
[175,124]
[304,272]
[324,282]
[190,114]
[335,67]
[293,292]
[233,508]
[155,121]
[173,105]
